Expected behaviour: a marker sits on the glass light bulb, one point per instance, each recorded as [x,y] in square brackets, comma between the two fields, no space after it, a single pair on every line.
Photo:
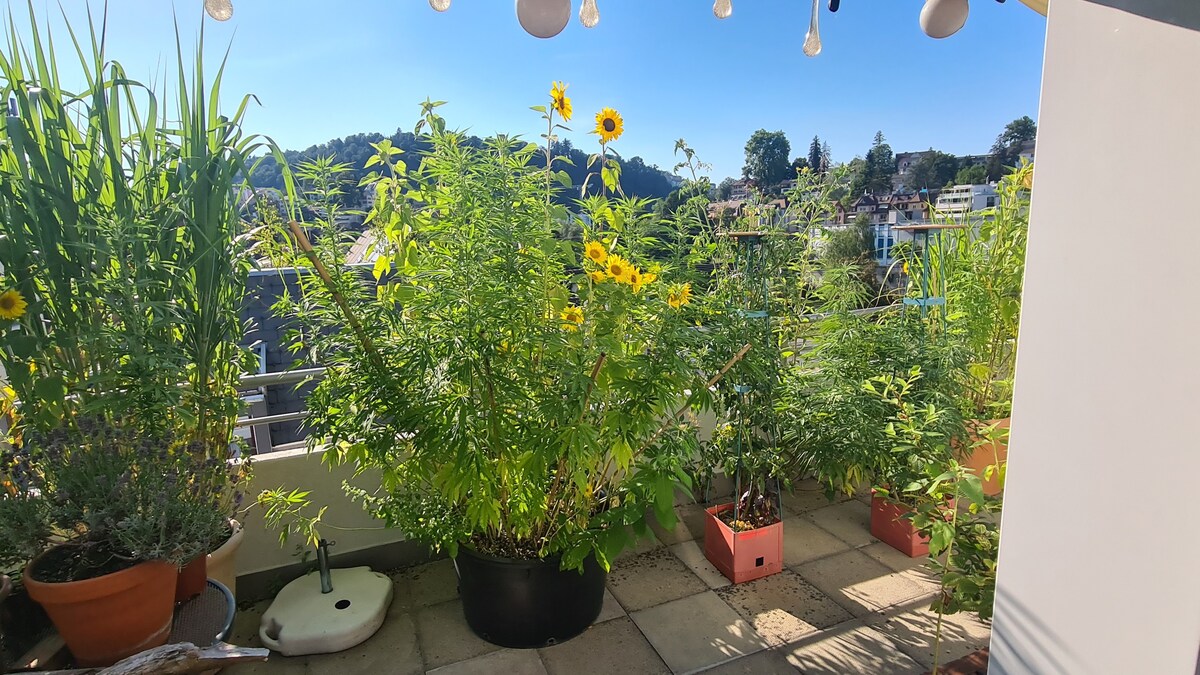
[812,39]
[221,10]
[440,5]
[722,9]
[589,16]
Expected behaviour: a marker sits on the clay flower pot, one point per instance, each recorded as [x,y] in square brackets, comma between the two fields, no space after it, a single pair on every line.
[742,556]
[979,458]
[222,563]
[110,617]
[889,525]
[192,579]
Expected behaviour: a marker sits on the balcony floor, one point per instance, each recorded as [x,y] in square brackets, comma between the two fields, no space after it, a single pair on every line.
[845,603]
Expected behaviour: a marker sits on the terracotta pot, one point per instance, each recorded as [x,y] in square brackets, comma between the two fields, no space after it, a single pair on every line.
[222,563]
[742,556]
[889,525]
[192,579]
[981,457]
[110,617]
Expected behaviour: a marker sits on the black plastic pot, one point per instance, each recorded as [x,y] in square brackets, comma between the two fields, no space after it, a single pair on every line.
[527,603]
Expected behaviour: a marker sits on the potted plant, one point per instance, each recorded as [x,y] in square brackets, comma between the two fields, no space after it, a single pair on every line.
[519,393]
[121,512]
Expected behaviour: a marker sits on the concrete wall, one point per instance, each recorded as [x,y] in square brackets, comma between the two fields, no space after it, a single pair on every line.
[1100,555]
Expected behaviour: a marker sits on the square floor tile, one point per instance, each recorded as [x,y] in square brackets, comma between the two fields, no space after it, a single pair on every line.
[615,646]
[783,607]
[803,541]
[691,553]
[651,579]
[808,495]
[859,583]
[431,584]
[507,661]
[611,609]
[692,517]
[639,545]
[697,632]
[678,533]
[856,650]
[245,625]
[849,521]
[915,631]
[445,636]
[893,558]
[769,662]
[392,649]
[274,665]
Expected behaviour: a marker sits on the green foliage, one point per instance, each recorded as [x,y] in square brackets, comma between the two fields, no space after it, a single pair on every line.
[1006,149]
[932,171]
[767,161]
[975,174]
[724,190]
[818,158]
[513,395]
[877,171]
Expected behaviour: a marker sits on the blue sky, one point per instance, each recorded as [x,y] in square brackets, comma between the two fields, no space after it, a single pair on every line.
[332,68]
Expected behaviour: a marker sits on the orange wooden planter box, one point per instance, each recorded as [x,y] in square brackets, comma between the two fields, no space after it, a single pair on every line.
[889,525]
[742,556]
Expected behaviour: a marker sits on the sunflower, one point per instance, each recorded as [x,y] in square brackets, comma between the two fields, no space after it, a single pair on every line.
[558,98]
[609,125]
[679,295]
[595,252]
[618,269]
[636,280]
[597,276]
[649,277]
[573,316]
[12,304]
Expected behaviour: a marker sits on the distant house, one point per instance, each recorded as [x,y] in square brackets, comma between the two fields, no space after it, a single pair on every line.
[963,199]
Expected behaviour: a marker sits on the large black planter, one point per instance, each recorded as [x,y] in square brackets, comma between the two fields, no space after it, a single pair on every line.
[527,603]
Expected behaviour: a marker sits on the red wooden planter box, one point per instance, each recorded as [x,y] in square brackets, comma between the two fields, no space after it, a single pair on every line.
[742,556]
[889,525]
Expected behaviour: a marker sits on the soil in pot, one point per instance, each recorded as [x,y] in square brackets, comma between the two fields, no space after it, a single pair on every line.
[527,603]
[106,617]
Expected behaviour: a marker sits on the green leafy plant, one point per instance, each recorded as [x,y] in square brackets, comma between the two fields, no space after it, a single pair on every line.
[518,393]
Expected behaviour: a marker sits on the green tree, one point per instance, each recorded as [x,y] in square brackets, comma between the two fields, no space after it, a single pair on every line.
[932,171]
[724,190]
[1007,147]
[853,246]
[798,164]
[880,166]
[767,161]
[816,157]
[971,175]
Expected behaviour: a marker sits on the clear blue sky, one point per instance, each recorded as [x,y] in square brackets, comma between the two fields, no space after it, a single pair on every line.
[332,68]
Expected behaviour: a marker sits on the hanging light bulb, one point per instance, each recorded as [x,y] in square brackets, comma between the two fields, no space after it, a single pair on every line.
[722,9]
[543,18]
[812,39]
[440,5]
[943,18]
[589,16]
[221,10]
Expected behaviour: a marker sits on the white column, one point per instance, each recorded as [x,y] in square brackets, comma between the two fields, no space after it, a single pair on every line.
[1100,552]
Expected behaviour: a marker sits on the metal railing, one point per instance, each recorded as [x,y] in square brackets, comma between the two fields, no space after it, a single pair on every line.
[260,423]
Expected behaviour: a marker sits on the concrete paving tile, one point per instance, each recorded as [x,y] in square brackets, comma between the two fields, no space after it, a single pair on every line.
[691,553]
[860,650]
[859,583]
[692,517]
[808,495]
[507,661]
[893,558]
[641,545]
[697,632]
[274,665]
[651,579]
[804,541]
[615,646]
[914,633]
[245,625]
[678,533]
[432,583]
[783,607]
[768,662]
[392,649]
[445,636]
[849,521]
[611,609]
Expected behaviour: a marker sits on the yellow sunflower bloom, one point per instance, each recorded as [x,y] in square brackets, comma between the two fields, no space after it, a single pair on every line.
[12,304]
[573,316]
[618,269]
[558,98]
[609,125]
[597,276]
[636,280]
[649,277]
[595,252]
[679,295]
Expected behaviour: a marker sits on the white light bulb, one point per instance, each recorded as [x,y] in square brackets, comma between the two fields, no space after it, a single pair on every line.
[221,10]
[589,16]
[543,18]
[440,5]
[722,9]
[943,18]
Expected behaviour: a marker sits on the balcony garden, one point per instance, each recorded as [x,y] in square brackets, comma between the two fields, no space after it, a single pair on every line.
[622,433]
